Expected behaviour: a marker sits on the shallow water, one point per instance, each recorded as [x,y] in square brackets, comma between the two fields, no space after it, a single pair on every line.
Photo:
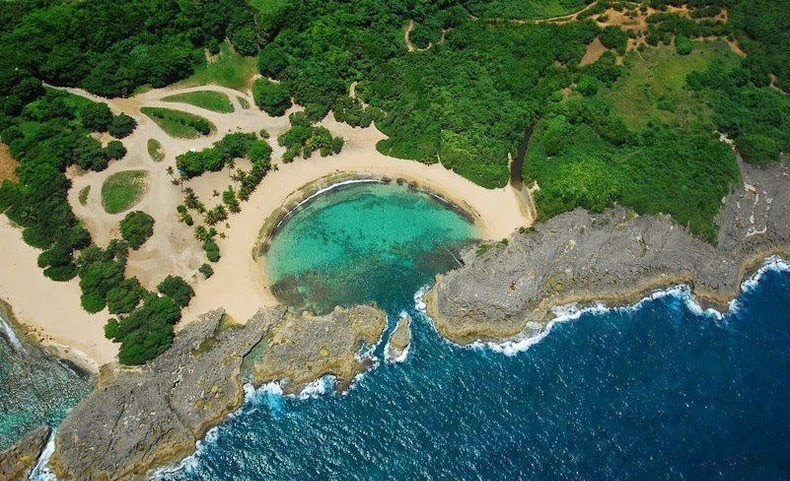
[36,389]
[364,242]
[663,390]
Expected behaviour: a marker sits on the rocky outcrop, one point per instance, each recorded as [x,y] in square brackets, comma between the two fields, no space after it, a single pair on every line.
[140,419]
[399,340]
[614,257]
[18,461]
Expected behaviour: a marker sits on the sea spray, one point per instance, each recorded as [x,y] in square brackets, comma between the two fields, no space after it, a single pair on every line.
[11,335]
[41,471]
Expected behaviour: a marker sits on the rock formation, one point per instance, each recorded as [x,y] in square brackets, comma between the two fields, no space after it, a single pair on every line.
[18,461]
[140,419]
[615,257]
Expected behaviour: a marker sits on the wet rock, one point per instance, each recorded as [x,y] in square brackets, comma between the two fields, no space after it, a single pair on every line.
[400,339]
[141,419]
[617,258]
[18,461]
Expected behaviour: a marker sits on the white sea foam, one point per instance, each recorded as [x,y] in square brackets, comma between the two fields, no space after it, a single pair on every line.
[325,190]
[534,333]
[41,471]
[11,335]
[419,299]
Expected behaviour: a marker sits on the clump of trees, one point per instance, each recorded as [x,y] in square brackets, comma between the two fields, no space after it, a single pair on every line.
[271,97]
[232,146]
[136,228]
[177,288]
[302,139]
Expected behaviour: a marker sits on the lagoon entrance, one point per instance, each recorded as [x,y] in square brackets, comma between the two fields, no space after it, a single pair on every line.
[364,241]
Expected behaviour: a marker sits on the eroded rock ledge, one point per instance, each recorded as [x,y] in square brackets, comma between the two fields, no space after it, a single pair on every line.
[615,257]
[138,420]
[19,460]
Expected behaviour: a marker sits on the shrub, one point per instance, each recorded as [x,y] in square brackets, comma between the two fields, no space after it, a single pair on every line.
[115,150]
[212,250]
[272,60]
[96,117]
[206,270]
[122,125]
[683,45]
[177,288]
[614,38]
[125,297]
[271,97]
[136,228]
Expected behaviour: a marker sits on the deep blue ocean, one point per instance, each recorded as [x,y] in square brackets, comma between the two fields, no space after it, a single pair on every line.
[662,390]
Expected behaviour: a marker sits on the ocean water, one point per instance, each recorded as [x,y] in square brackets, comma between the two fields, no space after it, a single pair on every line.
[36,389]
[660,391]
[363,242]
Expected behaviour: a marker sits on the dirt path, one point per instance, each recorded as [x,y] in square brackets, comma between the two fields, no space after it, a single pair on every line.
[238,283]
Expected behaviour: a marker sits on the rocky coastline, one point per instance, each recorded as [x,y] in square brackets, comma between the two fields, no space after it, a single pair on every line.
[17,462]
[508,289]
[398,344]
[137,420]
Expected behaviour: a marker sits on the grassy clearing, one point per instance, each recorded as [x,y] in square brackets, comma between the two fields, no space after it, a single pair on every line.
[123,190]
[653,87]
[84,193]
[228,69]
[179,124]
[155,150]
[205,99]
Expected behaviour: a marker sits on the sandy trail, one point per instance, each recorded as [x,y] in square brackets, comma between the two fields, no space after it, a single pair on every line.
[238,284]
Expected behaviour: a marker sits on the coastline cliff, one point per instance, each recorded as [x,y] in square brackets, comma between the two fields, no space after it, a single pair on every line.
[615,257]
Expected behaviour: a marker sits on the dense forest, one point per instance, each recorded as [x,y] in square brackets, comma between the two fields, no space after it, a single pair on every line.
[640,125]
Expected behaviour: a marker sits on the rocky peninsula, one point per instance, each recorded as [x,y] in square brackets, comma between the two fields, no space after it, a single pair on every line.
[139,419]
[398,344]
[508,289]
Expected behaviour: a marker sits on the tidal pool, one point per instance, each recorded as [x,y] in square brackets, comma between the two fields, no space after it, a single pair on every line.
[361,242]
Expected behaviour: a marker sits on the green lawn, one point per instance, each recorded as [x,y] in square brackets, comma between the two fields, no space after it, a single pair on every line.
[84,193]
[179,124]
[228,69]
[206,99]
[155,150]
[123,190]
[654,85]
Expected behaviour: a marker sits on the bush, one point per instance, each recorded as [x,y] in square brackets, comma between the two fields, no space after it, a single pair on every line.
[758,149]
[272,60]
[177,288]
[245,40]
[271,97]
[206,270]
[683,45]
[96,117]
[212,250]
[136,228]
[614,38]
[125,297]
[122,125]
[115,150]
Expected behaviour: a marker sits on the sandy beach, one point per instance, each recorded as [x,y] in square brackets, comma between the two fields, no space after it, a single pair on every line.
[52,310]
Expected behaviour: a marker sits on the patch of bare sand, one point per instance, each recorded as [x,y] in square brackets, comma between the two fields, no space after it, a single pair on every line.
[50,310]
[238,284]
[8,164]
[593,52]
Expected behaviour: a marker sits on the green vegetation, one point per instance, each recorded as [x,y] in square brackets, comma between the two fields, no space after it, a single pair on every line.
[123,190]
[206,270]
[179,124]
[155,150]
[524,10]
[207,99]
[303,139]
[232,146]
[647,140]
[83,195]
[271,97]
[177,288]
[228,69]
[653,87]
[136,228]
[243,103]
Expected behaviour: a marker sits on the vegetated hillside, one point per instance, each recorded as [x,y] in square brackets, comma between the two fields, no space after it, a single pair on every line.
[643,133]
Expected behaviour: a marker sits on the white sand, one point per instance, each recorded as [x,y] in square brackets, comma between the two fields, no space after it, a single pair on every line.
[238,284]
